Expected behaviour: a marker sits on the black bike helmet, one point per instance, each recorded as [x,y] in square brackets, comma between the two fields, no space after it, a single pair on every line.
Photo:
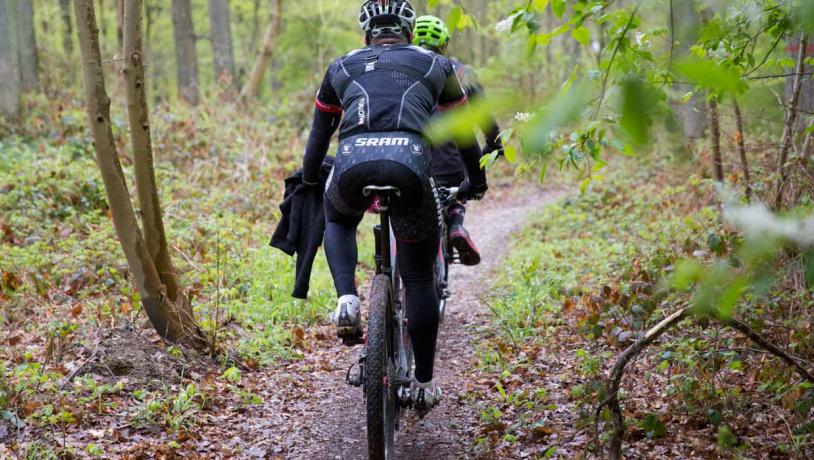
[395,15]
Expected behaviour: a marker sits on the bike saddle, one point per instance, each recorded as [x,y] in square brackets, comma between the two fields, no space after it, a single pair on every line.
[381,190]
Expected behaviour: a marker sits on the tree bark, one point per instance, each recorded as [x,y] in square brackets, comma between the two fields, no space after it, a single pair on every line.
[27,43]
[252,86]
[170,321]
[9,62]
[739,138]
[120,25]
[146,185]
[222,52]
[67,32]
[185,55]
[715,125]
[790,124]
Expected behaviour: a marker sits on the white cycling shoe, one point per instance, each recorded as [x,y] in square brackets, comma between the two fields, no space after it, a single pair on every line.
[425,396]
[348,317]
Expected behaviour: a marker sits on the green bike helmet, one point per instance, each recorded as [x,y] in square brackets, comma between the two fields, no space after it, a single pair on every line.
[430,31]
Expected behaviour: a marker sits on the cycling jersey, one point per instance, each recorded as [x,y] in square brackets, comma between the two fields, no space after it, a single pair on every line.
[389,88]
[446,160]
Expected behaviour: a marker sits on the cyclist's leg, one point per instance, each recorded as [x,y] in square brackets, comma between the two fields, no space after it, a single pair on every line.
[341,248]
[416,263]
[456,211]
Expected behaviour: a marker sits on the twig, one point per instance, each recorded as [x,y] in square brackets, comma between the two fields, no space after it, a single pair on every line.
[766,57]
[790,122]
[76,371]
[715,124]
[758,339]
[615,380]
[612,59]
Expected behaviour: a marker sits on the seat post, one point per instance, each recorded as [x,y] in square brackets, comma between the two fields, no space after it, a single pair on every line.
[384,233]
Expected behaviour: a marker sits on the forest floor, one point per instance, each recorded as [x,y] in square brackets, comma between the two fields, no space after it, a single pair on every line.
[310,412]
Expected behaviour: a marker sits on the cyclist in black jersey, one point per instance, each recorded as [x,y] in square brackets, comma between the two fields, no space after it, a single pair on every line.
[380,98]
[432,33]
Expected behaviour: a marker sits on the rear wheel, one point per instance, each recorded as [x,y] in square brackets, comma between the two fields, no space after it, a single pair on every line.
[381,380]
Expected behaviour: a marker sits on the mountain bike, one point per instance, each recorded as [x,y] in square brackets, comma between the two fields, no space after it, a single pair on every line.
[385,364]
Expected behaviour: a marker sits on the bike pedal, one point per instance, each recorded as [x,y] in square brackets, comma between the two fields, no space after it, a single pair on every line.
[358,379]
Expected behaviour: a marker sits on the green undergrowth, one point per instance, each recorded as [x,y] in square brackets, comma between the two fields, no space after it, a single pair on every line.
[589,275]
[220,184]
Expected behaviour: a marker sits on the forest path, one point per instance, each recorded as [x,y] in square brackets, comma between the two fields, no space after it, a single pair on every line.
[310,412]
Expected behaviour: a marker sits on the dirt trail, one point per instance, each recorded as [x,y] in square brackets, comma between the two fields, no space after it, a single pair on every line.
[309,411]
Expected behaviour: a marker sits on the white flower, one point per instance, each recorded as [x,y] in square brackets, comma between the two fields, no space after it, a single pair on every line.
[523,116]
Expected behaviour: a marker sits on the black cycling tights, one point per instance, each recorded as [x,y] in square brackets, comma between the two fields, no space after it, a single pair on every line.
[416,263]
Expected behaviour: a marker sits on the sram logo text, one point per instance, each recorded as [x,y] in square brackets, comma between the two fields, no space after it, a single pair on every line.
[382,141]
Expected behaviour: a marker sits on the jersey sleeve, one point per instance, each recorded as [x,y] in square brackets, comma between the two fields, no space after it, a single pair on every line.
[453,94]
[327,101]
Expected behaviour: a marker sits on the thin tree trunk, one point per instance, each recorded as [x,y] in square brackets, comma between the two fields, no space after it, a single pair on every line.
[67,33]
[715,124]
[120,26]
[9,62]
[790,123]
[170,321]
[27,43]
[147,188]
[255,26]
[739,138]
[222,51]
[185,55]
[252,86]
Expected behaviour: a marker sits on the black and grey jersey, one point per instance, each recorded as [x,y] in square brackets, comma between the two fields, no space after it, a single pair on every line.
[388,88]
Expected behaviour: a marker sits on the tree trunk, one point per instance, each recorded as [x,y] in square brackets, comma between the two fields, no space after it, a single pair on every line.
[120,26]
[185,55]
[147,188]
[9,62]
[790,123]
[252,86]
[685,25]
[171,322]
[27,43]
[715,124]
[805,103]
[222,53]
[739,138]
[67,32]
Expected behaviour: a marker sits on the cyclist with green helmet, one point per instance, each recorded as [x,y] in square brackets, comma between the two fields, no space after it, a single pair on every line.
[433,34]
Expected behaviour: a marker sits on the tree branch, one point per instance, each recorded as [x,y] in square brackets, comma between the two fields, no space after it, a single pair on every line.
[615,380]
[612,59]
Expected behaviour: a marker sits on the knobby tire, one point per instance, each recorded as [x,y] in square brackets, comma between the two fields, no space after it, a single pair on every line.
[378,352]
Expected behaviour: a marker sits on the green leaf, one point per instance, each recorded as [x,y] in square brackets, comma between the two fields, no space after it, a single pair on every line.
[511,154]
[636,103]
[726,438]
[563,110]
[454,17]
[653,426]
[540,5]
[582,35]
[810,268]
[721,79]
[583,187]
[433,3]
[558,7]
[686,274]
